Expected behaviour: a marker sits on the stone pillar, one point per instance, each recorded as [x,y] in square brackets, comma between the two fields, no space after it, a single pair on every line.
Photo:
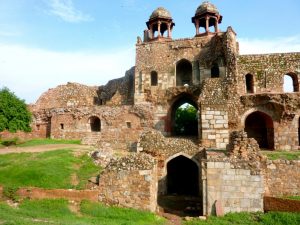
[151,32]
[158,28]
[169,30]
[197,26]
[206,24]
[216,25]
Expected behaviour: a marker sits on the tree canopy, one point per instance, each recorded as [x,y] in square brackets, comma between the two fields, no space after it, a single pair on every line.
[14,114]
[186,121]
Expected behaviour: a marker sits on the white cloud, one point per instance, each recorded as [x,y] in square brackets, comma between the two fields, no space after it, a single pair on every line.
[276,45]
[66,10]
[29,72]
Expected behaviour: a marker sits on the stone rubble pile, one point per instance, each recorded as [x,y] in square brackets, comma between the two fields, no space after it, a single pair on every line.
[244,152]
[134,161]
[155,144]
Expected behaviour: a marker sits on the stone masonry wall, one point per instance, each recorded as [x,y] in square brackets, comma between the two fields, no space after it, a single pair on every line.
[120,125]
[162,57]
[268,70]
[282,177]
[130,182]
[214,126]
[236,189]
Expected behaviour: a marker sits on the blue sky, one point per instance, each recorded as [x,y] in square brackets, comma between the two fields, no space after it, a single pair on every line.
[44,43]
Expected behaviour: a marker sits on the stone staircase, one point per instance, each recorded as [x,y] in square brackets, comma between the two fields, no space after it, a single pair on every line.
[91,139]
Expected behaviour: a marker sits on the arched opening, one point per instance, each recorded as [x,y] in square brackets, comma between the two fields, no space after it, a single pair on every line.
[184,117]
[182,177]
[153,78]
[183,73]
[259,126]
[290,82]
[249,83]
[95,124]
[215,71]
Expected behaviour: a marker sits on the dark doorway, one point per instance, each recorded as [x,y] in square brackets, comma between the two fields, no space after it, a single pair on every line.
[182,177]
[259,126]
[215,71]
[183,73]
[154,78]
[249,83]
[95,124]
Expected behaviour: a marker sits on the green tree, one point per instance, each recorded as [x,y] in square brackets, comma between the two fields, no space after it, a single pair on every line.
[186,121]
[14,114]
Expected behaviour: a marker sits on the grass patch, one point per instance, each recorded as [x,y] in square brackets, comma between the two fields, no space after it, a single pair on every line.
[293,197]
[270,218]
[47,141]
[51,169]
[57,212]
[282,155]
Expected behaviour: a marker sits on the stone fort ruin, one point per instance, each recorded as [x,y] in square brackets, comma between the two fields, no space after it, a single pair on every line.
[241,108]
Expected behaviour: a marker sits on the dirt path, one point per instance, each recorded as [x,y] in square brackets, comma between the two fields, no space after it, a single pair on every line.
[44,148]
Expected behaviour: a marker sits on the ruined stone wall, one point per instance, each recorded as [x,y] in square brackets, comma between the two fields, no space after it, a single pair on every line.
[283,108]
[214,130]
[130,182]
[236,189]
[162,57]
[234,179]
[69,95]
[282,178]
[268,70]
[120,125]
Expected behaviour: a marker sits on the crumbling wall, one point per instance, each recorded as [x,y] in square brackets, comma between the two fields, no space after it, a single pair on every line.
[283,108]
[268,70]
[118,91]
[120,125]
[282,177]
[130,182]
[69,95]
[234,180]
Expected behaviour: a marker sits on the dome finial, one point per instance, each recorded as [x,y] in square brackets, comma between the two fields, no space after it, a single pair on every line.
[206,16]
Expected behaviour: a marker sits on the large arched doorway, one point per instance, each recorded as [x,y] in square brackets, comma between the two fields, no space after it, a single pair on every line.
[95,124]
[182,177]
[259,126]
[183,73]
[184,116]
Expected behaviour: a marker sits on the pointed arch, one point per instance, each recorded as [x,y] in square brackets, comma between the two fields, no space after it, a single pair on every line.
[259,126]
[292,86]
[182,176]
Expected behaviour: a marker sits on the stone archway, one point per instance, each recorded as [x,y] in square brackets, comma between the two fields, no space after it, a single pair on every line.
[192,125]
[259,126]
[182,177]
